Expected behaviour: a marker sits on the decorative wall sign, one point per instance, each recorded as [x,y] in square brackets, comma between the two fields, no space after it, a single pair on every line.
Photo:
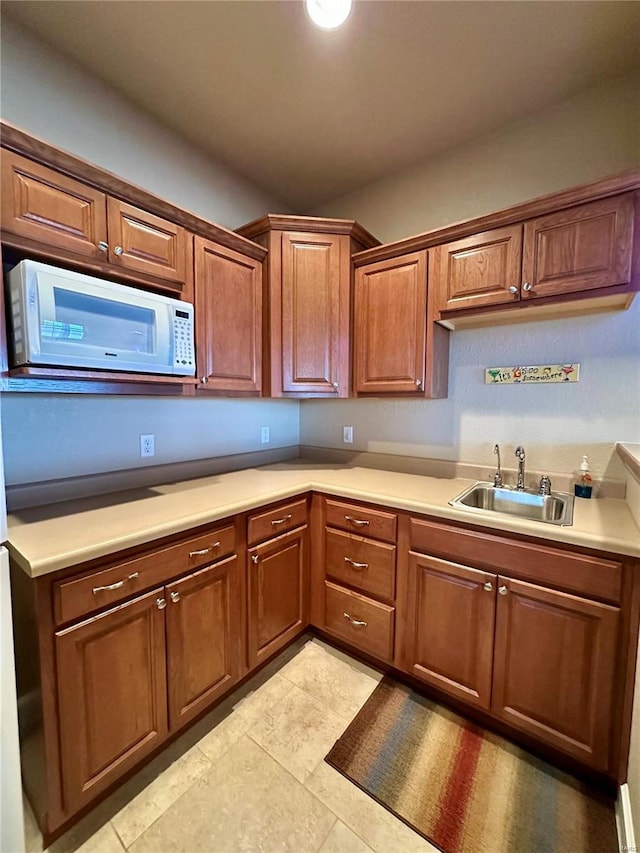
[539,374]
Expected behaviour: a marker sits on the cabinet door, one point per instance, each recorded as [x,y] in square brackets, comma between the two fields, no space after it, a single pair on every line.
[229,319]
[43,205]
[390,305]
[583,248]
[554,668]
[478,270]
[278,594]
[315,313]
[450,627]
[112,695]
[204,636]
[148,244]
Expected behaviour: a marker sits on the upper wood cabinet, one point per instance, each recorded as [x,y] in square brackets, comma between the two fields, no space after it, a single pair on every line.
[397,347]
[49,209]
[228,298]
[480,270]
[308,303]
[584,248]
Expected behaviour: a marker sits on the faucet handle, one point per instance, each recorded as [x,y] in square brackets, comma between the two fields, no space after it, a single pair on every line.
[545,485]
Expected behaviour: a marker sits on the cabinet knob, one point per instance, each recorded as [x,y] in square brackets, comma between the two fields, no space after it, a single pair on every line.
[255,558]
[336,386]
[488,586]
[175,597]
[513,289]
[118,250]
[418,383]
[527,286]
[204,379]
[104,247]
[161,603]
[503,590]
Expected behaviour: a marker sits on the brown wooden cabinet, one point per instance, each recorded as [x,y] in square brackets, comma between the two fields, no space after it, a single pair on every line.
[278,593]
[204,638]
[112,695]
[308,304]
[228,292]
[49,209]
[398,349]
[450,627]
[555,660]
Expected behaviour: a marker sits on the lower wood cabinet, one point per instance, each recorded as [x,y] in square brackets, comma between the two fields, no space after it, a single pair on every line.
[278,593]
[549,668]
[112,687]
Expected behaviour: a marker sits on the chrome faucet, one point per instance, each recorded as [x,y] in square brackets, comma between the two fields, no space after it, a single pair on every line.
[497,477]
[520,458]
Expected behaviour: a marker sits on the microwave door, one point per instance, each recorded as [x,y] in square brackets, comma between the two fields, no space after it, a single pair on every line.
[91,327]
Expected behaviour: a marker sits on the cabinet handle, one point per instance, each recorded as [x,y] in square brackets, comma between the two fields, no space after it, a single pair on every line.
[277,521]
[488,586]
[116,585]
[204,380]
[359,521]
[118,250]
[355,565]
[503,590]
[357,623]
[104,247]
[161,603]
[418,383]
[336,385]
[527,286]
[175,597]
[255,558]
[201,551]
[513,289]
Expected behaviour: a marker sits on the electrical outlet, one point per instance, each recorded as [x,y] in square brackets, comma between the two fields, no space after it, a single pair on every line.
[347,434]
[147,445]
[264,435]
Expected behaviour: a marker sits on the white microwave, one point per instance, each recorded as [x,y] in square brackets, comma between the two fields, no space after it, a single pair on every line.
[68,319]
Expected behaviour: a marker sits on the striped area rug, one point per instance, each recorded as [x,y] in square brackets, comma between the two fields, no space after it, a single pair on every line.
[464,789]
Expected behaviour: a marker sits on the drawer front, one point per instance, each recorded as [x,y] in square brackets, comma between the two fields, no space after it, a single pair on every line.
[78,596]
[360,621]
[372,523]
[580,573]
[361,563]
[276,521]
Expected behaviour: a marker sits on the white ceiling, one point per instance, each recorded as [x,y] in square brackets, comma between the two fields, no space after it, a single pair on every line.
[310,115]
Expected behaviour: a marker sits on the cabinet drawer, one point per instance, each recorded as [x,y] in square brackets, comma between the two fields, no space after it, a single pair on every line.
[581,573]
[370,522]
[361,563]
[359,621]
[77,596]
[276,521]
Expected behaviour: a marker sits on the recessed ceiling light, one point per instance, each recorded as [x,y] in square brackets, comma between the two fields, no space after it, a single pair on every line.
[328,14]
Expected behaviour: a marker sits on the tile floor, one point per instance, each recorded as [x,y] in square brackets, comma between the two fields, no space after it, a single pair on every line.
[251,776]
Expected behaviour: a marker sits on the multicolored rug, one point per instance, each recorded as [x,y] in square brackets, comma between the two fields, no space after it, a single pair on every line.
[464,789]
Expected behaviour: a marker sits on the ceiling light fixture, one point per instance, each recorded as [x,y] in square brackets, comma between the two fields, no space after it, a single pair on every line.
[328,14]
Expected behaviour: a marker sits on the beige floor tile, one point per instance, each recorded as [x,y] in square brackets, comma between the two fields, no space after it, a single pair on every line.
[32,835]
[342,840]
[298,732]
[244,715]
[332,678]
[104,840]
[370,821]
[145,808]
[246,802]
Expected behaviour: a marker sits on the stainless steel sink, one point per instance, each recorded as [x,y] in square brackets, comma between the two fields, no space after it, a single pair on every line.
[556,508]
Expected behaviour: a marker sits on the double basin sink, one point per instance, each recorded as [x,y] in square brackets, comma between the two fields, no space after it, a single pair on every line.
[555,508]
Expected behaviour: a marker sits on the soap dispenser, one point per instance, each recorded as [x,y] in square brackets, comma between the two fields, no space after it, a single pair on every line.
[584,482]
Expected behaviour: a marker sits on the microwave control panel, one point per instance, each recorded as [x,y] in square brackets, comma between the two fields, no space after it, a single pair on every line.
[184,361]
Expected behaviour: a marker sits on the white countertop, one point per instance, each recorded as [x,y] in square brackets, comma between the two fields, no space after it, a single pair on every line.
[45,539]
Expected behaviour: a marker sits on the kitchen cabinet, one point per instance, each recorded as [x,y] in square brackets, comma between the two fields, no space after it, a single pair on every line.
[111,682]
[549,668]
[278,593]
[228,307]
[50,209]
[398,349]
[308,303]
